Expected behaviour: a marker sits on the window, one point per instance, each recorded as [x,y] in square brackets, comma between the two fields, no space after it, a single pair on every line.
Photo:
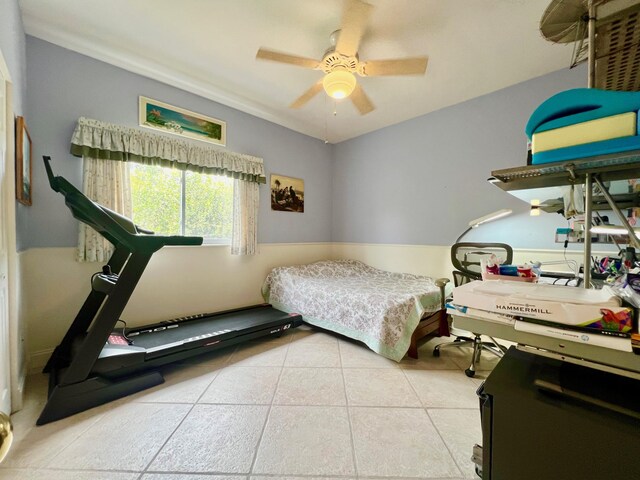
[174,202]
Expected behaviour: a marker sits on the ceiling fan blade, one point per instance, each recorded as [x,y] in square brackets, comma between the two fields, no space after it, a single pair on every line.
[354,20]
[308,95]
[265,54]
[361,101]
[400,66]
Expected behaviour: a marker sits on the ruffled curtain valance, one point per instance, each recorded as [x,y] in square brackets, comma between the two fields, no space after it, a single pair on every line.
[108,141]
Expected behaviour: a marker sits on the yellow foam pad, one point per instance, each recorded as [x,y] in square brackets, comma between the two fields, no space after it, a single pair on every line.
[622,125]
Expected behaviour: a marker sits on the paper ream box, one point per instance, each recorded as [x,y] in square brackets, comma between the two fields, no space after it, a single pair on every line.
[600,328]
[559,304]
[615,343]
[482,314]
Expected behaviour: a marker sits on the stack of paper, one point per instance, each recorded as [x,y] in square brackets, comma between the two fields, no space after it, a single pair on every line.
[584,316]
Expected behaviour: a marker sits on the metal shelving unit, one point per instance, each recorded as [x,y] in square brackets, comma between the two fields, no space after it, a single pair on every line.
[592,171]
[617,166]
[607,33]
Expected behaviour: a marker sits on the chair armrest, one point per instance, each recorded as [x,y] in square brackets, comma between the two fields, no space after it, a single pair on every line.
[441,283]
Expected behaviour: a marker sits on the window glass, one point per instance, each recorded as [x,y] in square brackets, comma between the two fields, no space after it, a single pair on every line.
[208,206]
[156,197]
[158,194]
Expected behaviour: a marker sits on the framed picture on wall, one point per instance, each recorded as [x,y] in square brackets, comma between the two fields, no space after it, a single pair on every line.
[23,162]
[178,121]
[287,193]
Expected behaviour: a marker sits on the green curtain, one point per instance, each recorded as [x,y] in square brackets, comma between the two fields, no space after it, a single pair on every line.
[95,139]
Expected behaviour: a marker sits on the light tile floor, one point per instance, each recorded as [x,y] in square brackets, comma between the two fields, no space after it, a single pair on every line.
[307,406]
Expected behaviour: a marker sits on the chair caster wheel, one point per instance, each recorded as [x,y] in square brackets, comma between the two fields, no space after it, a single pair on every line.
[469,373]
[436,352]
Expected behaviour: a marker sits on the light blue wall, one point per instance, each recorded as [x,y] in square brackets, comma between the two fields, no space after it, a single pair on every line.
[12,44]
[417,182]
[423,180]
[64,85]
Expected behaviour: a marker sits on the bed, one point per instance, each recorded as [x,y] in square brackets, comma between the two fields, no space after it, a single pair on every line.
[389,312]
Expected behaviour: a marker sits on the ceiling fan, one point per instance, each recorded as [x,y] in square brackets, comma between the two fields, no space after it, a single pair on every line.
[341,61]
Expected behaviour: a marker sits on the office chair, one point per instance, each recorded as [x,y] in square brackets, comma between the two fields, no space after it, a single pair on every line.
[466,258]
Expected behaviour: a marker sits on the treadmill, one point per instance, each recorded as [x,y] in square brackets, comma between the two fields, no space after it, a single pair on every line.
[97,362]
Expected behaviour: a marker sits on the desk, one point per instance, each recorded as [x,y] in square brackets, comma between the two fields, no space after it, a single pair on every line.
[585,427]
[572,350]
[545,418]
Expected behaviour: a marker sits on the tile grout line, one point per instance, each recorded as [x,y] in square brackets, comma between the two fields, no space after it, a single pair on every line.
[433,423]
[227,363]
[418,407]
[164,444]
[347,406]
[100,417]
[472,380]
[413,388]
[312,476]
[266,420]
[444,442]
[193,405]
[66,470]
[348,477]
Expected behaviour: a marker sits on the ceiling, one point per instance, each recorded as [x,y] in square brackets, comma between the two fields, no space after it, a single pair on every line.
[208,47]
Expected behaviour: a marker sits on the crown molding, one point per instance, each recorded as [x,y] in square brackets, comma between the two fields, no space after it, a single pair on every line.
[163,73]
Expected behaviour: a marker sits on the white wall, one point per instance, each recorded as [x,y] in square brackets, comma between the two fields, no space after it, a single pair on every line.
[188,280]
[430,260]
[179,281]
[434,260]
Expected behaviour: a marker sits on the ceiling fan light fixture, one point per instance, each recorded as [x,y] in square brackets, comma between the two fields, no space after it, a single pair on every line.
[339,83]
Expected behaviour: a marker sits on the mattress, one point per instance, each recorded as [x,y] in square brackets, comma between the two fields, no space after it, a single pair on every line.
[580,105]
[563,123]
[605,147]
[615,126]
[381,309]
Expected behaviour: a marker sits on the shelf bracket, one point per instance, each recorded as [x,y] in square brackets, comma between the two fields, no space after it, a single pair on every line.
[623,220]
[588,212]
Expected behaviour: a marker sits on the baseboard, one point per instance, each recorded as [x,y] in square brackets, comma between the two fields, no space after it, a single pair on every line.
[38,360]
[17,393]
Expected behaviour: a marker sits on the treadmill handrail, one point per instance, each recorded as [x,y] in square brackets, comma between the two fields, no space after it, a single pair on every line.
[116,228]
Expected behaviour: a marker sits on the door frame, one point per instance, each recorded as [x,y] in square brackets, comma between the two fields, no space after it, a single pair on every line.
[17,367]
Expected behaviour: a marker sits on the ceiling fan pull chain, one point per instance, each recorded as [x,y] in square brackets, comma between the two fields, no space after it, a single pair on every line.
[326,128]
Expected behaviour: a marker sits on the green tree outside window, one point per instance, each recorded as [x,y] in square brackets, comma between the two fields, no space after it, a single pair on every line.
[157,195]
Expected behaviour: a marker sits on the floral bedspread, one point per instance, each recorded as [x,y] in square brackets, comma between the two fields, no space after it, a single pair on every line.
[381,309]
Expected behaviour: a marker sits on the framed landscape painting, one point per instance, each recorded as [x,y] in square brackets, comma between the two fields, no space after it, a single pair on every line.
[167,118]
[287,193]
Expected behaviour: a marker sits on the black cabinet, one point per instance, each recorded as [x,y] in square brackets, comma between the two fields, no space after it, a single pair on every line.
[544,419]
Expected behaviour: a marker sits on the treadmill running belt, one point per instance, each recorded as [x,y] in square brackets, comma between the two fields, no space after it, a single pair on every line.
[246,321]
